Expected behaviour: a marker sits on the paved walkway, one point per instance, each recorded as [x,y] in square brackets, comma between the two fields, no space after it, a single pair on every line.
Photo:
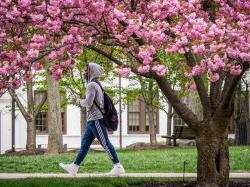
[88,175]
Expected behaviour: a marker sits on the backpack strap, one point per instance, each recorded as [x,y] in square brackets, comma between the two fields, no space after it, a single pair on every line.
[97,82]
[99,108]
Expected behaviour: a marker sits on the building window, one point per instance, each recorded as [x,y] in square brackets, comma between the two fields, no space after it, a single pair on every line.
[134,117]
[41,126]
[138,118]
[41,118]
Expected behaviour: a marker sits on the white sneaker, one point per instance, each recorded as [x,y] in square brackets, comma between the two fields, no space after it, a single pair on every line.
[70,168]
[117,170]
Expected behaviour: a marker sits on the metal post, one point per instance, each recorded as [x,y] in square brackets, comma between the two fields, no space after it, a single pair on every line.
[184,170]
[120,110]
[0,131]
[13,124]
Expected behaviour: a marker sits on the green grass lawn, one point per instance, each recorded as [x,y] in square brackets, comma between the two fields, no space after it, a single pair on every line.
[160,160]
[87,182]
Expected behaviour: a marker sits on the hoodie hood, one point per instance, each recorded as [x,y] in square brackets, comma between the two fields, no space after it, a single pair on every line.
[94,71]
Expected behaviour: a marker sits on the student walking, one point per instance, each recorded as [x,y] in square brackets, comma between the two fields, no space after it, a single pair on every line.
[95,127]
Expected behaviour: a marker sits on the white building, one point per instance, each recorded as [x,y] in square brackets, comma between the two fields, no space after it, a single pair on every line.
[134,126]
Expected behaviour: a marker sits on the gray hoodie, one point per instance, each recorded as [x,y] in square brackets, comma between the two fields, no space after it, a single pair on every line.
[93,93]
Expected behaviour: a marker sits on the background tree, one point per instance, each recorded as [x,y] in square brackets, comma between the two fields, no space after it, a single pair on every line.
[29,111]
[240,117]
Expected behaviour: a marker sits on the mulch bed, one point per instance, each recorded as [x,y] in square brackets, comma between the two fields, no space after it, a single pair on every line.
[192,184]
[146,146]
[25,152]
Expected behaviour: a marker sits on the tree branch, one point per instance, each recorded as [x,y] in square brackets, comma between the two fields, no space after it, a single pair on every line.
[182,109]
[117,61]
[25,114]
[215,91]
[202,91]
[229,87]
[38,108]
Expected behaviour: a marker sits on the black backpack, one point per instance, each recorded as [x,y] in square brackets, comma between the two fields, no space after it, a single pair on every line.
[110,115]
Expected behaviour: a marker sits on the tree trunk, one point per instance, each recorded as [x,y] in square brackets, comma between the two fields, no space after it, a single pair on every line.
[31,129]
[55,141]
[169,122]
[83,120]
[213,155]
[152,130]
[31,134]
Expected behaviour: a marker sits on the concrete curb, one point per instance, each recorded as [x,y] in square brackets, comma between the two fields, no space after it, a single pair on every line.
[99,175]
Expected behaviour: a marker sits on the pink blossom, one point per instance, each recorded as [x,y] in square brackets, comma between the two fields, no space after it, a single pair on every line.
[67,16]
[33,53]
[72,64]
[130,29]
[24,3]
[232,53]
[53,11]
[38,38]
[200,49]
[2,34]
[52,25]
[37,45]
[219,61]
[73,30]
[37,17]
[214,77]
[52,56]
[245,57]
[160,70]
[27,76]
[119,15]
[55,54]
[99,6]
[158,37]
[57,73]
[145,53]
[12,15]
[3,71]
[37,66]
[74,49]
[68,39]
[68,3]
[25,64]
[67,63]
[120,38]
[143,69]
[124,72]
[216,63]
[198,70]
[15,83]
[31,28]
[236,70]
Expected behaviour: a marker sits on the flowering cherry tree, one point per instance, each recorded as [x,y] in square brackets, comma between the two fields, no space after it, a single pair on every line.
[212,35]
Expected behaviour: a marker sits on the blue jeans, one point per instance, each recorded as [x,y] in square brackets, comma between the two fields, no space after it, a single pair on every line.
[96,129]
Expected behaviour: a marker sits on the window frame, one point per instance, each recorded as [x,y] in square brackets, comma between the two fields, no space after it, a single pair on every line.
[142,119]
[63,112]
